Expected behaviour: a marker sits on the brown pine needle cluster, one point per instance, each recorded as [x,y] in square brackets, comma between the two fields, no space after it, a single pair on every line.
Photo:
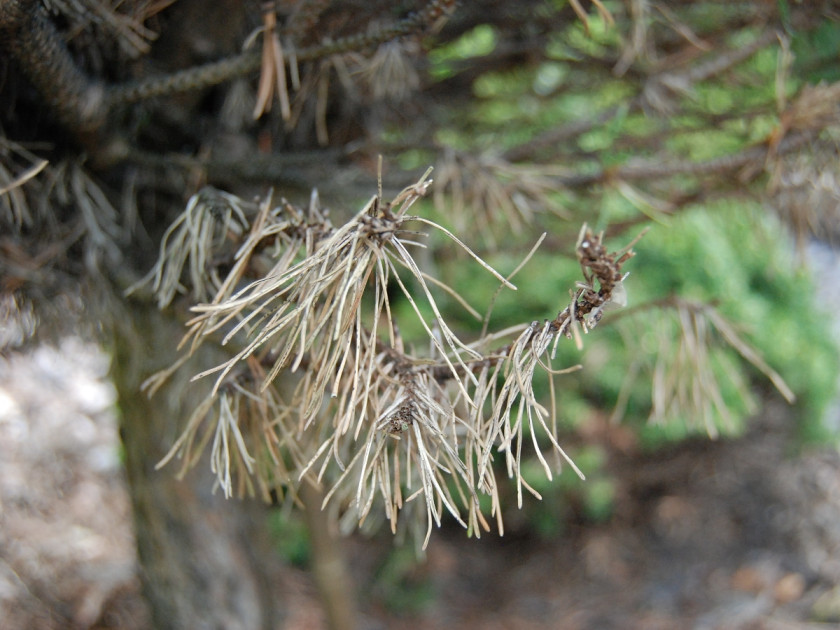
[320,383]
[490,191]
[689,373]
[390,72]
[272,68]
[198,234]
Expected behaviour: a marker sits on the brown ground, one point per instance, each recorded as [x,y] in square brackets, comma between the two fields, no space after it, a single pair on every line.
[707,536]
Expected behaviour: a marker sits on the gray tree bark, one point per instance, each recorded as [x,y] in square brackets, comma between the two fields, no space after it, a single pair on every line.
[206,562]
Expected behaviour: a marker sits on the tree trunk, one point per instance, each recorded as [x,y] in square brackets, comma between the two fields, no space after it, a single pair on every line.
[206,561]
[328,566]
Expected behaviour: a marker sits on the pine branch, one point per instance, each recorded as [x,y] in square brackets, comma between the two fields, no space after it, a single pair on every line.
[320,379]
[250,61]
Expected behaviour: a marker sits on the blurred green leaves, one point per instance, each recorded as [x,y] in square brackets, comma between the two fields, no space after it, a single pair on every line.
[735,256]
[479,41]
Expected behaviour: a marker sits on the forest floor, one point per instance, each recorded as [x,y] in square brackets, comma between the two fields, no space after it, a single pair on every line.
[741,534]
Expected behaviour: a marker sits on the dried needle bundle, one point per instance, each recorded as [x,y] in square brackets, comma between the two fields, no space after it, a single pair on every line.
[320,384]
[488,191]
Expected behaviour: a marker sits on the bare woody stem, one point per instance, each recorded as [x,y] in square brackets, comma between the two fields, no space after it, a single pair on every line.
[249,61]
[29,36]
[81,104]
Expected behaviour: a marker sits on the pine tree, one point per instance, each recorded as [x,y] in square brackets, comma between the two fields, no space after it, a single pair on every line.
[194,173]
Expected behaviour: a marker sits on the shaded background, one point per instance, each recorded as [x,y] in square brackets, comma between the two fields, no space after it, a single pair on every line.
[714,122]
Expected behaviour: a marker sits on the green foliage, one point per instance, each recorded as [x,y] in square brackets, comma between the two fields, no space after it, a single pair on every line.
[401,585]
[597,40]
[816,53]
[728,254]
[290,537]
[479,41]
[592,499]
[737,257]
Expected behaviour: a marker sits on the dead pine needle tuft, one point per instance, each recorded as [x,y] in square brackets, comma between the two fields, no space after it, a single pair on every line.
[320,384]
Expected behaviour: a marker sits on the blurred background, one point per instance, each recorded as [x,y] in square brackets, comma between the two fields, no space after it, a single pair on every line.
[705,416]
